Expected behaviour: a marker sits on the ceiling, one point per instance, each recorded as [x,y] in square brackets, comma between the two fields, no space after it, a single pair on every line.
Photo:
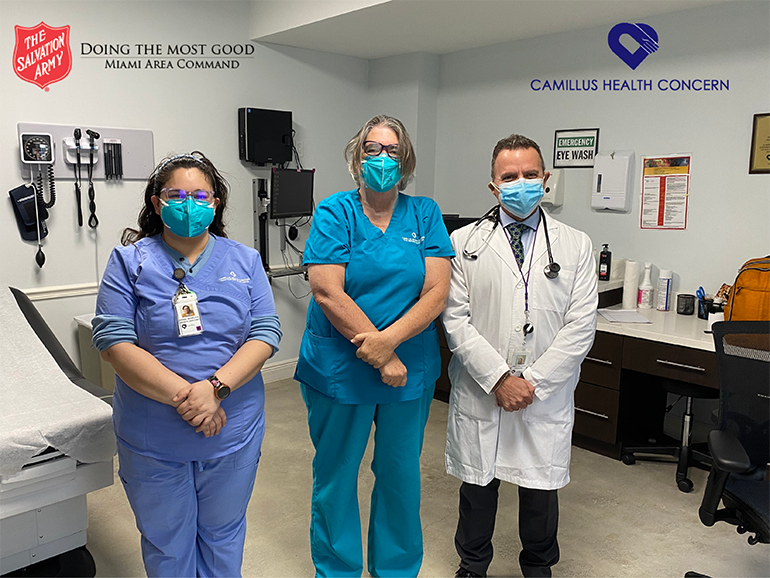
[443,26]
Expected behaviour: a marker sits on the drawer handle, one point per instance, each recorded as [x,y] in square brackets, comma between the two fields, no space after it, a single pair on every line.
[593,413]
[597,360]
[681,365]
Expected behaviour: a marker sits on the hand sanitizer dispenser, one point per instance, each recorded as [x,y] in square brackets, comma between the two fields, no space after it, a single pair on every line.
[554,189]
[613,181]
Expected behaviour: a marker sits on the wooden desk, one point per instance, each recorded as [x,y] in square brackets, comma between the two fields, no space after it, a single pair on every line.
[620,397]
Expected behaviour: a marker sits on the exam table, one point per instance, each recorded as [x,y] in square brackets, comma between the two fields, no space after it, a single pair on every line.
[56,445]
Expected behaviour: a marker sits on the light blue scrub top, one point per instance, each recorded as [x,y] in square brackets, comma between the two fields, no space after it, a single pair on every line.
[384,275]
[231,288]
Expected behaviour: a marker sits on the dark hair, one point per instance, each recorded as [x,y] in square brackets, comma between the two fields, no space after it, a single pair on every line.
[150,222]
[407,160]
[513,142]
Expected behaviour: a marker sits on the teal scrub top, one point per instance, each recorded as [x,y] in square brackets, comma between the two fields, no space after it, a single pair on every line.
[384,275]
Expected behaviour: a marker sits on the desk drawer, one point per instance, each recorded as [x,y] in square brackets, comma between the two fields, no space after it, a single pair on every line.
[603,363]
[672,361]
[596,412]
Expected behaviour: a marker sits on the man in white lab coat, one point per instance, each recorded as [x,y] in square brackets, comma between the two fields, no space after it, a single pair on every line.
[520,318]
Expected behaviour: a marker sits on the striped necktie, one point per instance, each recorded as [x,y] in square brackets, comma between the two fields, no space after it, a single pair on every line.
[516,230]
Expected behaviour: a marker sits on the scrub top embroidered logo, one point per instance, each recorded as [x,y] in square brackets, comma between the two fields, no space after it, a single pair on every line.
[644,34]
[414,239]
[42,54]
[233,277]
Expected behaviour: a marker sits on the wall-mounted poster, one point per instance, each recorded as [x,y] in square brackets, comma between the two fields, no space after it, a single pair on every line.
[665,191]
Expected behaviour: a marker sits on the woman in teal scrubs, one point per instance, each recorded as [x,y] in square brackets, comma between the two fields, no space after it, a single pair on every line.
[378,265]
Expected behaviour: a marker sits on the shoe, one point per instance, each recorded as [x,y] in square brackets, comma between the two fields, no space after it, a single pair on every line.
[463,573]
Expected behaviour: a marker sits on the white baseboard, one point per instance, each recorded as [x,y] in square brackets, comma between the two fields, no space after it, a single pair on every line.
[279,370]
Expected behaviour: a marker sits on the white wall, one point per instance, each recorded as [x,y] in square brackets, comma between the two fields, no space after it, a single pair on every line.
[485,95]
[186,110]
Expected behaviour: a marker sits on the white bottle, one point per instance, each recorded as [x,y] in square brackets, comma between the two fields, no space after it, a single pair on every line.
[665,278]
[645,289]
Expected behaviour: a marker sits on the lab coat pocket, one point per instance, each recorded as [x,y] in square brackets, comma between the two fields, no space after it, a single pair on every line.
[318,363]
[552,294]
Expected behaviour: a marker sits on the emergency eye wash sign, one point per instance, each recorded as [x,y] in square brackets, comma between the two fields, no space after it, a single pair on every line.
[575,148]
[42,54]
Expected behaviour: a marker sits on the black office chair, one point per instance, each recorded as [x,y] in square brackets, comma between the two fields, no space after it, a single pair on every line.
[685,453]
[741,446]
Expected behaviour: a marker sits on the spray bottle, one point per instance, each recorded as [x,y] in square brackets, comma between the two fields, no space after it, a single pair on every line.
[645,289]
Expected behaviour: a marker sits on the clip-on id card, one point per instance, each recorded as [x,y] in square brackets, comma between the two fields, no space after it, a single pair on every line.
[520,360]
[188,318]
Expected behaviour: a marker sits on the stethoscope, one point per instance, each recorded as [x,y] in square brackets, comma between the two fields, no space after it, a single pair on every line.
[551,270]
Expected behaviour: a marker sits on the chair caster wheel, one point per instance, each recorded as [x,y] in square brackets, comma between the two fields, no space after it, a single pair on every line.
[684,485]
[628,459]
[741,529]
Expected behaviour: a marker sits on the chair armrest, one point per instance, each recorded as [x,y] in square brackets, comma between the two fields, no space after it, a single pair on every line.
[728,453]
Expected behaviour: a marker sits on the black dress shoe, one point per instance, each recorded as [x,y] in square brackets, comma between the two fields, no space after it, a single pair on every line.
[463,573]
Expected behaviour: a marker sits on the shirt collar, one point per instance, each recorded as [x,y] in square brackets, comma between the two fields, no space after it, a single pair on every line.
[177,257]
[531,221]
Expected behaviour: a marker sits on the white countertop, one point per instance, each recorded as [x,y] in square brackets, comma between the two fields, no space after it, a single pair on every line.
[666,327]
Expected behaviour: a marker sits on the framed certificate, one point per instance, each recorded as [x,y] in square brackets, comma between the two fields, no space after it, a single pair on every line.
[759,161]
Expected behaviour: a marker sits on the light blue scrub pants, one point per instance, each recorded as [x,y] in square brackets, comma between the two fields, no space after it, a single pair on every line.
[192,515]
[340,433]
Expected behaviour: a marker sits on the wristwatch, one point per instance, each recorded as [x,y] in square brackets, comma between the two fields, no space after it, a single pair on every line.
[220,389]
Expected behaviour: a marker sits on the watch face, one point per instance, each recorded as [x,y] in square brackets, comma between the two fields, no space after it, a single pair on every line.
[223,392]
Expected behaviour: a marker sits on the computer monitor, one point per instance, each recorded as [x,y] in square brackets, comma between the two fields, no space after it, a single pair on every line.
[291,193]
[264,136]
[455,221]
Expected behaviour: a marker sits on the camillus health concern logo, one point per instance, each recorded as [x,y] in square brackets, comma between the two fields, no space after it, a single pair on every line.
[42,54]
[644,34]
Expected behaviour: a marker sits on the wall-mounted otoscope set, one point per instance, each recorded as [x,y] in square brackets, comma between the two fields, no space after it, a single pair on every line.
[79,149]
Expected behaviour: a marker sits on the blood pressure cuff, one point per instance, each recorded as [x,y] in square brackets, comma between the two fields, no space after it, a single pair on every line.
[23,201]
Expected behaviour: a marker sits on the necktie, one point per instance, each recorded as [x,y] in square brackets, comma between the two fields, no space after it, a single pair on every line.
[516,230]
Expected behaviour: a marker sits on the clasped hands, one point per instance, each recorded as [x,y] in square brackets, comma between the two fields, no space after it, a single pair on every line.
[378,350]
[199,406]
[515,393]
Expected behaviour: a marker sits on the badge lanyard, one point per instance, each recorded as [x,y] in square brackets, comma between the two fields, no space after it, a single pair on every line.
[521,355]
[186,310]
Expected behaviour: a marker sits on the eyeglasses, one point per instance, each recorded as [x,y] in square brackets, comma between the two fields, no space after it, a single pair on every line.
[182,195]
[373,149]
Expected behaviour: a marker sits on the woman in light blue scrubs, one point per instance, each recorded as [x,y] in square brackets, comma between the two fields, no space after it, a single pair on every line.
[186,317]
[378,265]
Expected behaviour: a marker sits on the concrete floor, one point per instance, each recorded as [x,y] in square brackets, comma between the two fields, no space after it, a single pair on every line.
[616,520]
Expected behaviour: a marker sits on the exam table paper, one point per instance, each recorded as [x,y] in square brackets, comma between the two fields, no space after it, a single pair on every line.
[41,407]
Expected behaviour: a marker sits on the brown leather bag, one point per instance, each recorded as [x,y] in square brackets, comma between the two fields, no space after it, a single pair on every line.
[749,298]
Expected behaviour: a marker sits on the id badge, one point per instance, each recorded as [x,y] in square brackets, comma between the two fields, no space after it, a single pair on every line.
[522,358]
[188,317]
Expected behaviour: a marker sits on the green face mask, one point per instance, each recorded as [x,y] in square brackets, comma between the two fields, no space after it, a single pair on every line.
[187,218]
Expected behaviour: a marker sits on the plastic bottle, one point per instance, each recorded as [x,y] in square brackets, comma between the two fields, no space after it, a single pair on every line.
[665,278]
[605,263]
[645,289]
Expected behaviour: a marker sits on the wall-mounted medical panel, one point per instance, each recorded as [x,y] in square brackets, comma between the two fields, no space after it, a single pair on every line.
[136,145]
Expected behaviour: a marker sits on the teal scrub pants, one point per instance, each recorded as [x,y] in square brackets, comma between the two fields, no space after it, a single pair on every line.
[340,433]
[192,515]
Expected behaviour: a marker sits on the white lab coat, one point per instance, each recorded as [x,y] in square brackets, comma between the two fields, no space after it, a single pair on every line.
[483,322]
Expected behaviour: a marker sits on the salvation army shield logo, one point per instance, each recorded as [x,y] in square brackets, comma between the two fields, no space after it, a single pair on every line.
[42,54]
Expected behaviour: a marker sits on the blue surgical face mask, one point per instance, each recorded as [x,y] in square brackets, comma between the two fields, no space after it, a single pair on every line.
[520,197]
[188,218]
[380,173]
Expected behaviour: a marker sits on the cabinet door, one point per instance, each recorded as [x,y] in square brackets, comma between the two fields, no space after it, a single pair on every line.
[596,412]
[603,363]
